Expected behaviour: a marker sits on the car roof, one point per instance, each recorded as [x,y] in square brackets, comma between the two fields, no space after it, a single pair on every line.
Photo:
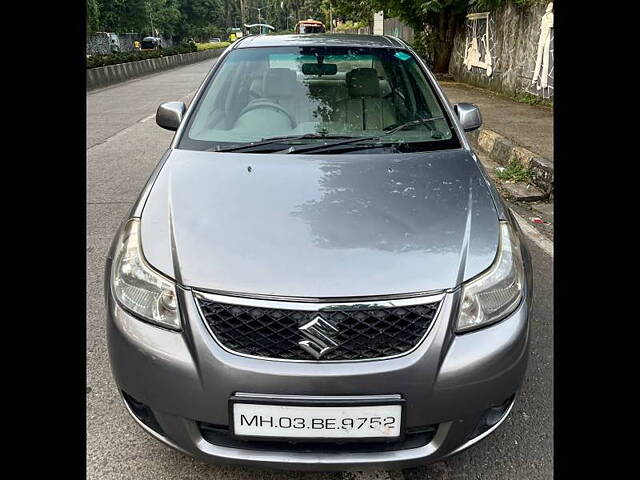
[320,39]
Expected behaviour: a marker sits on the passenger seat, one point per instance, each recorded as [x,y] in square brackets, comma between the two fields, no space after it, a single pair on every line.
[365,109]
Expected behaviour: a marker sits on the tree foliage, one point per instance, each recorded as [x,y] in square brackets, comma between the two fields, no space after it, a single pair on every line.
[199,18]
[123,16]
[171,18]
[93,16]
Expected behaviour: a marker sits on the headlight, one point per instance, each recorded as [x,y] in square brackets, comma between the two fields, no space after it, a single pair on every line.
[497,292]
[140,289]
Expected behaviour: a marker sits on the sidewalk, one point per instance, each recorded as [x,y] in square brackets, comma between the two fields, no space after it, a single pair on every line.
[514,131]
[529,126]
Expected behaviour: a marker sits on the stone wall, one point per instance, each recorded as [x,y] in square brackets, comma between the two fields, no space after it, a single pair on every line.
[127,39]
[506,50]
[99,42]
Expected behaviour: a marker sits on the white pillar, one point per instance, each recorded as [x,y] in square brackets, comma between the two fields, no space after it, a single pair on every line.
[378,25]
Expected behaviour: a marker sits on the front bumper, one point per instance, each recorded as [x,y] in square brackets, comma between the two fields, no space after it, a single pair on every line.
[449,381]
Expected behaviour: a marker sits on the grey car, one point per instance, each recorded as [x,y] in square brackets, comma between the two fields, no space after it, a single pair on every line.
[319,274]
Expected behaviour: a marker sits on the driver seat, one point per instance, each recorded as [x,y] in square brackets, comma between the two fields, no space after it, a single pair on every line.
[280,85]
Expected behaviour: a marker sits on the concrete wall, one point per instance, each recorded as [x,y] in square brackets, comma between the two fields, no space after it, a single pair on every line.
[357,31]
[396,28]
[385,26]
[110,74]
[504,55]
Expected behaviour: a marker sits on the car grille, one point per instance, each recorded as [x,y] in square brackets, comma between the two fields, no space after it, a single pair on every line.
[365,333]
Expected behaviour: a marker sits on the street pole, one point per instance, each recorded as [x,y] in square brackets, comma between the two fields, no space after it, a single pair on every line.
[330,18]
[242,17]
[260,16]
[153,32]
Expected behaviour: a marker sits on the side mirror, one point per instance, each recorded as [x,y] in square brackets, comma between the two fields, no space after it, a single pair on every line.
[469,115]
[169,115]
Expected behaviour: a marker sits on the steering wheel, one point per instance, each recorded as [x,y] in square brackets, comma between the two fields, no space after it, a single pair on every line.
[256,104]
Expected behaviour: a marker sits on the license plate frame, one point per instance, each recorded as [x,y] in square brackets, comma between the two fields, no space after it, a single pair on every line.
[317,401]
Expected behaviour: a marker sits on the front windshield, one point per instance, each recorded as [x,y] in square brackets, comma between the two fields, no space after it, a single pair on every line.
[259,93]
[309,28]
[148,42]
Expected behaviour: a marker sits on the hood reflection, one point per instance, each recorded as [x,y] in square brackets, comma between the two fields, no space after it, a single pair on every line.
[395,206]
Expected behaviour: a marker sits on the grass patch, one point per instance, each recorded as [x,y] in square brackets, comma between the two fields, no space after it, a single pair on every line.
[514,172]
[530,99]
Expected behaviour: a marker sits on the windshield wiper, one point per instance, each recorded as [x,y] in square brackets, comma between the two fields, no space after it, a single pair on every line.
[328,145]
[377,138]
[309,148]
[412,123]
[270,140]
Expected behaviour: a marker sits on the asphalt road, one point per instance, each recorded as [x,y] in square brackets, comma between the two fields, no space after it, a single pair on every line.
[123,146]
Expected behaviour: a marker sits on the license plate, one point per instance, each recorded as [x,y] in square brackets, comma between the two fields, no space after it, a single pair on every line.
[289,421]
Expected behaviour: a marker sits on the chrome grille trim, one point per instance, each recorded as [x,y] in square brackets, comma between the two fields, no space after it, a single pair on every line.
[318,306]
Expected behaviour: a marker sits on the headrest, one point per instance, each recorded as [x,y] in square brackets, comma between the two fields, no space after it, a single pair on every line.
[363,82]
[385,88]
[279,82]
[255,89]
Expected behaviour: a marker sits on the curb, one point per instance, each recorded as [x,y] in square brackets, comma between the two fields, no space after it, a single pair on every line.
[529,207]
[110,74]
[502,150]
[522,192]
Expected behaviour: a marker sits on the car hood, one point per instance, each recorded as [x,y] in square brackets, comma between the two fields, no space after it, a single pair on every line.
[320,226]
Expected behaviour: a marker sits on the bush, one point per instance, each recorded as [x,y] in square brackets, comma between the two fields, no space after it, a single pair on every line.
[350,25]
[102,60]
[514,172]
[423,45]
[209,46]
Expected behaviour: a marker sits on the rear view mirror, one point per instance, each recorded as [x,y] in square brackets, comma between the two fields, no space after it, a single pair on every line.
[319,68]
[469,115]
[169,115]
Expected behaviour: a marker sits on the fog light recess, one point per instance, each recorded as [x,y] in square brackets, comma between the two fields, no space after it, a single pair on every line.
[142,413]
[491,417]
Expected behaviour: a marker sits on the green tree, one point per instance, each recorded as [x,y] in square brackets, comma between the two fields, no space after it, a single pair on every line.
[93,16]
[311,9]
[231,12]
[202,17]
[122,16]
[355,10]
[166,16]
[171,18]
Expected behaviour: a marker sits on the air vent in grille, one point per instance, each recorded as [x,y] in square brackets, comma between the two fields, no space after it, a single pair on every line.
[365,333]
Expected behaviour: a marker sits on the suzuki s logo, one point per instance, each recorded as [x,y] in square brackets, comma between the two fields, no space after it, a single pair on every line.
[318,332]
